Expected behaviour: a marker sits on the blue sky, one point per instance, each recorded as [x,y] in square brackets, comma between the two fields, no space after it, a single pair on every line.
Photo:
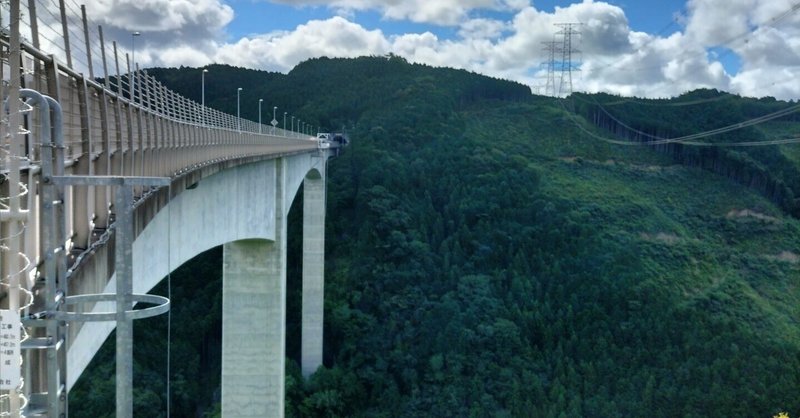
[253,16]
[650,48]
[654,17]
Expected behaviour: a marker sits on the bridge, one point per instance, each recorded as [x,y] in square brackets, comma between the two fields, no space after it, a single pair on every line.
[109,182]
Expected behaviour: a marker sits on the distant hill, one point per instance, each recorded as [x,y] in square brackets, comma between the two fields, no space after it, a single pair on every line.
[492,253]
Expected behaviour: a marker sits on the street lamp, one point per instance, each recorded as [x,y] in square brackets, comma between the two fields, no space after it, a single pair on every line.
[293,125]
[203,94]
[284,123]
[238,114]
[259,114]
[133,62]
[274,121]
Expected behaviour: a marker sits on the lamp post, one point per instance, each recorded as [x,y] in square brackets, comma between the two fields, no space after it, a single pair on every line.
[238,114]
[284,123]
[299,122]
[292,125]
[133,62]
[203,94]
[259,114]
[274,121]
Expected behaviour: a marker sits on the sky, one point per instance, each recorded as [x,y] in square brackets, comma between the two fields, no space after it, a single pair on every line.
[643,48]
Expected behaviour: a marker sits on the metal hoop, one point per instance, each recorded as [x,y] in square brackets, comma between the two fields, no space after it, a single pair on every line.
[162,306]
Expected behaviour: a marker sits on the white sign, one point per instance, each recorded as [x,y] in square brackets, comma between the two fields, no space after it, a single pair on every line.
[10,337]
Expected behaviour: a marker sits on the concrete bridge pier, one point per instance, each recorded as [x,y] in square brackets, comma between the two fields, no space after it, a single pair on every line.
[254,301]
[313,271]
[253,329]
[254,319]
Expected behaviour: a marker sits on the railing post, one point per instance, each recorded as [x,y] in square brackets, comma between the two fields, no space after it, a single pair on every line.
[86,38]
[131,159]
[65,32]
[118,160]
[163,151]
[34,23]
[106,81]
[138,136]
[104,161]
[173,130]
[147,154]
[103,166]
[81,202]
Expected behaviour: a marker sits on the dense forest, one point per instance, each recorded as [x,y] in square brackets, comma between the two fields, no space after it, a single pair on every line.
[491,253]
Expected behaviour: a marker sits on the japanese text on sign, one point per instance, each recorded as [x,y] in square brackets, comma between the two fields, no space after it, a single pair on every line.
[9,349]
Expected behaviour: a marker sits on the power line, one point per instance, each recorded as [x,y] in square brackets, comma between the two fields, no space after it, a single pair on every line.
[690,139]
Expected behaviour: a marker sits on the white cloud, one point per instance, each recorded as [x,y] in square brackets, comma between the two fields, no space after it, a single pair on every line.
[770,47]
[163,15]
[764,34]
[482,29]
[335,37]
[718,22]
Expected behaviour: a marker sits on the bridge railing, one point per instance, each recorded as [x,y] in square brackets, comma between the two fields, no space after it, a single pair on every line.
[79,51]
[117,119]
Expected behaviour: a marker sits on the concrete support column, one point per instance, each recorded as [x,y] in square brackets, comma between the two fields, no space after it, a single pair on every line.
[313,271]
[254,320]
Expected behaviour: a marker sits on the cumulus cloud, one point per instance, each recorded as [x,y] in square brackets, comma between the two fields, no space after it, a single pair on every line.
[280,51]
[163,15]
[764,35]
[482,29]
[174,32]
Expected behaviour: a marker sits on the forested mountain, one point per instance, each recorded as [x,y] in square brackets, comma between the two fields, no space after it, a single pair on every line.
[493,254]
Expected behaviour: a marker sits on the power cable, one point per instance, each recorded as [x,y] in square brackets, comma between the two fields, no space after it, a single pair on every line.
[717,131]
[689,139]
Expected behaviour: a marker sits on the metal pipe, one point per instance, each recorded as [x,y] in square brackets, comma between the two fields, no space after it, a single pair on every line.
[48,234]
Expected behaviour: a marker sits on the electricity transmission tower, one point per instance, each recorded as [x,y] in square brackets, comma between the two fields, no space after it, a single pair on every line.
[568,53]
[551,49]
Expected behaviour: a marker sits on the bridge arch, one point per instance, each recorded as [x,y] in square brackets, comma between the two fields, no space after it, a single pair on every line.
[244,209]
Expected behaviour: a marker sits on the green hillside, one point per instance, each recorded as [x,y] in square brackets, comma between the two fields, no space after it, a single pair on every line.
[487,257]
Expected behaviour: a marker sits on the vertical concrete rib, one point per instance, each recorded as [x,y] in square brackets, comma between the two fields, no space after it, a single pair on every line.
[254,320]
[313,271]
